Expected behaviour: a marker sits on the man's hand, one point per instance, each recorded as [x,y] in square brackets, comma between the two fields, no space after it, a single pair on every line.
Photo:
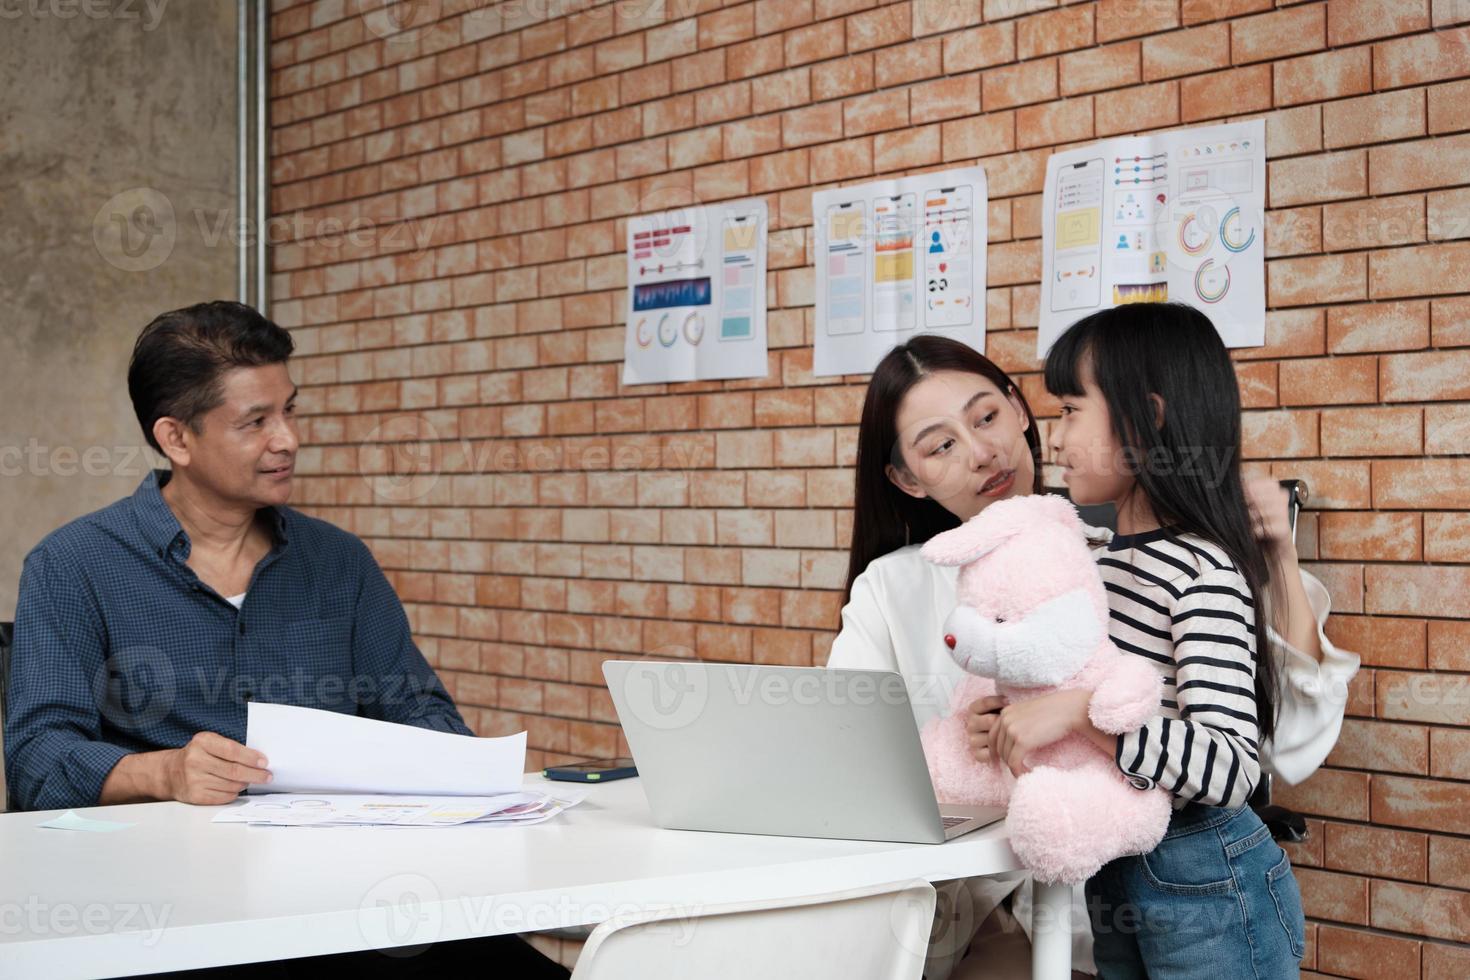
[211,770]
[981,716]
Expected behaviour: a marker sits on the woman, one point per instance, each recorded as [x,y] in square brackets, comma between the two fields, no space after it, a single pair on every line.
[945,433]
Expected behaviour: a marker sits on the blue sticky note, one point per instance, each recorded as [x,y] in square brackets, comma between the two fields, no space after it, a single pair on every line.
[70,821]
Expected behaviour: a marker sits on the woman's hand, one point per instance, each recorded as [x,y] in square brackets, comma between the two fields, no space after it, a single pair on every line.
[1270,512]
[1026,726]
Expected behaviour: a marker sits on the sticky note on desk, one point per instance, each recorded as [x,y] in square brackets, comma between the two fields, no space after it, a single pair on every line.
[70,821]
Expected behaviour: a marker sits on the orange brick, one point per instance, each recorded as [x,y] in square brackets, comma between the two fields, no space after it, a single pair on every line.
[876,113]
[1371,537]
[1329,381]
[909,62]
[1096,69]
[1446,429]
[1449,858]
[980,47]
[812,124]
[1294,231]
[1014,85]
[946,99]
[1317,279]
[1373,223]
[1366,955]
[1426,376]
[1419,590]
[878,28]
[1054,31]
[1373,432]
[1130,18]
[727,26]
[1279,434]
[1421,58]
[815,42]
[1328,793]
[1240,89]
[1447,537]
[1054,123]
[1388,642]
[1376,851]
[1330,75]
[841,161]
[842,76]
[1449,107]
[1374,118]
[1186,52]
[1419,165]
[1277,35]
[1196,11]
[1445,962]
[1137,109]
[1327,177]
[1422,483]
[1422,911]
[915,147]
[1336,897]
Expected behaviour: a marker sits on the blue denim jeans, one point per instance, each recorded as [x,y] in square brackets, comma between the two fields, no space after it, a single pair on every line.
[1216,899]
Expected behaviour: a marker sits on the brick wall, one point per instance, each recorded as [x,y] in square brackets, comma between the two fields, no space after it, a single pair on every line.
[460,349]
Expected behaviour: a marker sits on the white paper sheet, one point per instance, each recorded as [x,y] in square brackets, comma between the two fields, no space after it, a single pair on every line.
[337,810]
[312,751]
[1176,216]
[896,258]
[697,294]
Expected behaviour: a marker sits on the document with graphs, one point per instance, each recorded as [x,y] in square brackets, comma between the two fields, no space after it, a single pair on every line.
[1177,216]
[697,294]
[896,258]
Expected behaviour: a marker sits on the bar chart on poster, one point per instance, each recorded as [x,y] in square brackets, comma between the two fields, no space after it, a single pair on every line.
[1176,216]
[896,258]
[697,294]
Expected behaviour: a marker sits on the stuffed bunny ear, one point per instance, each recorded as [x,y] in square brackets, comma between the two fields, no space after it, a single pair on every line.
[961,545]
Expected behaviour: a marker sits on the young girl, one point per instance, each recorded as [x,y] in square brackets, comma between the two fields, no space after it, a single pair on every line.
[944,433]
[1150,421]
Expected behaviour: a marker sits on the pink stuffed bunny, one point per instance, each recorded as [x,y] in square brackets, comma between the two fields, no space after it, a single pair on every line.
[1033,618]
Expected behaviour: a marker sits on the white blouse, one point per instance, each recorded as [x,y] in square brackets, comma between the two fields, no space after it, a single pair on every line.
[892,622]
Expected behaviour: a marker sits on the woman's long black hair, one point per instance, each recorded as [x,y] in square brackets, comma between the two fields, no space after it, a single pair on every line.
[884,517]
[1189,467]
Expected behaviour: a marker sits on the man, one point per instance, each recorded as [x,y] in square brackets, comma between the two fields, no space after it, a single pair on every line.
[144,629]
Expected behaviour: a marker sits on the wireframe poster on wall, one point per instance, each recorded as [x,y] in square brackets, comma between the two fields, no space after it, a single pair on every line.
[1176,216]
[697,294]
[897,258]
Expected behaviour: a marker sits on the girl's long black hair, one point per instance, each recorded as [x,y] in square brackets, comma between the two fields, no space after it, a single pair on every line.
[1188,468]
[884,517]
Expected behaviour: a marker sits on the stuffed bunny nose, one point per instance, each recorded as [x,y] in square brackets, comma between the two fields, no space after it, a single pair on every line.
[949,640]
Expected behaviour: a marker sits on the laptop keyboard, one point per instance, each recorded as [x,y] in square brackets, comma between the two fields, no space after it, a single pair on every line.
[953,821]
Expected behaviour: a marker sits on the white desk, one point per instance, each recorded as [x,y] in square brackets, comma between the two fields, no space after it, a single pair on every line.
[175,891]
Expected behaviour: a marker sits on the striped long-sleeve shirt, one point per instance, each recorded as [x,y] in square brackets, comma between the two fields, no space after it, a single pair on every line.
[1178,601]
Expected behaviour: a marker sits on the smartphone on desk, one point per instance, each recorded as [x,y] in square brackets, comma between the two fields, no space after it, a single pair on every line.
[597,771]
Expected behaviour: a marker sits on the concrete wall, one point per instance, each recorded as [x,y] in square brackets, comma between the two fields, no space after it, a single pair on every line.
[128,117]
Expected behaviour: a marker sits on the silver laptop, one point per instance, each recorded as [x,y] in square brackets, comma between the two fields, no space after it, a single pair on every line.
[789,751]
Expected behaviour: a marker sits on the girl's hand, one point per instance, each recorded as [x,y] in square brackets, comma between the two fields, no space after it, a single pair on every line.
[1027,726]
[981,717]
[1268,502]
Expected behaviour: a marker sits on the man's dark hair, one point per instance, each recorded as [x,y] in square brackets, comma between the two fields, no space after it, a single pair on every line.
[180,358]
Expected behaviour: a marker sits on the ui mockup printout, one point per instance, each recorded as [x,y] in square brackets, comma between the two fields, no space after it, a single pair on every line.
[896,258]
[1177,216]
[697,294]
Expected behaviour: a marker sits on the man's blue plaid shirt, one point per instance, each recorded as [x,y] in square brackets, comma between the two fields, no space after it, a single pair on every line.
[120,648]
